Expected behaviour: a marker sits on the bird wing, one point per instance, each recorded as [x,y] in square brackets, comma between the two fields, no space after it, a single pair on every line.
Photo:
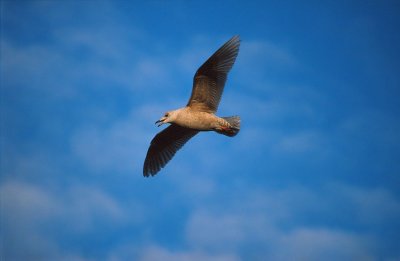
[209,80]
[164,146]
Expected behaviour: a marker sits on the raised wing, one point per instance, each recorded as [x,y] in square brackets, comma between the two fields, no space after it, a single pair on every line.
[164,146]
[209,80]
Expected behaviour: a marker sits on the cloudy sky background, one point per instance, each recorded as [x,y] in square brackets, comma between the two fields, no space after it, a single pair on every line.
[314,173]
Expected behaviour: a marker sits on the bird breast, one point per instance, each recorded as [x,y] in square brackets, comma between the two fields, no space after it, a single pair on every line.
[197,120]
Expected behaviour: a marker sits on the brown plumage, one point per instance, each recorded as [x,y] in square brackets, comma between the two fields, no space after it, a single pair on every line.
[198,115]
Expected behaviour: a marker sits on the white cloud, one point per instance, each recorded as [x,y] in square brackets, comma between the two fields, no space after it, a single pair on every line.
[259,61]
[27,202]
[277,223]
[153,73]
[156,253]
[121,146]
[219,232]
[196,52]
[32,216]
[377,127]
[87,205]
[373,206]
[266,53]
[321,244]
[24,210]
[300,142]
[30,67]
[78,59]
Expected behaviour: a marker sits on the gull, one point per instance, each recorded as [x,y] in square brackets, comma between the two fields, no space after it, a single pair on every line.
[199,113]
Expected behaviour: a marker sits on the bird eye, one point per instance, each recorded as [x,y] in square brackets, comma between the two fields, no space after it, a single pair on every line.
[166,115]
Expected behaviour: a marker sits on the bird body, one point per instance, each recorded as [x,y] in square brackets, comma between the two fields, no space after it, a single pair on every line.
[199,114]
[198,120]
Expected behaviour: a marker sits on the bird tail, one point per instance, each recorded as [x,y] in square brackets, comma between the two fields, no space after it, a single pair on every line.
[233,128]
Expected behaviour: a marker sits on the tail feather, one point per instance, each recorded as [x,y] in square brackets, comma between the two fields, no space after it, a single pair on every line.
[234,126]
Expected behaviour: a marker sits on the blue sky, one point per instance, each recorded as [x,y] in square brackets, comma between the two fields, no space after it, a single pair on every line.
[314,173]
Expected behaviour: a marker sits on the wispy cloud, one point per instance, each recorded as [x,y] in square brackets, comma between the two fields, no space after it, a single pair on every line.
[156,253]
[300,143]
[121,145]
[277,222]
[274,221]
[264,53]
[34,217]
[318,244]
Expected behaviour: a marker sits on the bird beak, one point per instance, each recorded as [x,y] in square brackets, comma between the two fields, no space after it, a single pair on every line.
[160,121]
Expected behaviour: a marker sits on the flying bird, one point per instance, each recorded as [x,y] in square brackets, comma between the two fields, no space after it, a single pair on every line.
[199,113]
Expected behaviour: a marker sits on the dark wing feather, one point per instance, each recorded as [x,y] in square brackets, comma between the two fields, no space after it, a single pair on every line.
[164,146]
[209,80]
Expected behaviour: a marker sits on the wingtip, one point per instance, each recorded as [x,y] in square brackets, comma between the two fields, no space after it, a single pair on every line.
[148,174]
[233,44]
[234,39]
[147,170]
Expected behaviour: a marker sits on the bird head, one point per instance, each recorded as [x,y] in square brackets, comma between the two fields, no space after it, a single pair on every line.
[167,118]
